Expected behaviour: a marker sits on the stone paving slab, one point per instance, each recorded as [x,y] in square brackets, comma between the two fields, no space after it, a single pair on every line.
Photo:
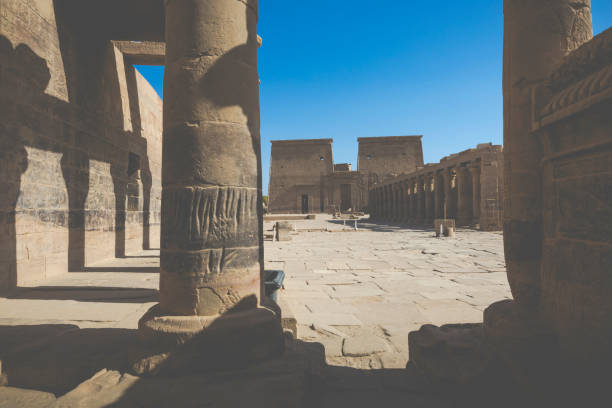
[110,294]
[390,279]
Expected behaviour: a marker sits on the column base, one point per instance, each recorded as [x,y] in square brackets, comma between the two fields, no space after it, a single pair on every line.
[521,342]
[173,345]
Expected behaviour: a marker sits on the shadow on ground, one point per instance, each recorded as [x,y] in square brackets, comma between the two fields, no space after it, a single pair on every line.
[57,358]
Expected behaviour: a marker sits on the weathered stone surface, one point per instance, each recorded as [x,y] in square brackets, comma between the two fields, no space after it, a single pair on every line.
[560,27]
[275,388]
[363,345]
[451,353]
[16,397]
[283,229]
[210,257]
[58,363]
[190,344]
[465,187]
[393,280]
[67,201]
[304,179]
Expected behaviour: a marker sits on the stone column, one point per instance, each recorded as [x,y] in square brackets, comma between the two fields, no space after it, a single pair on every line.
[405,200]
[381,203]
[395,189]
[452,208]
[476,200]
[372,203]
[391,203]
[429,188]
[446,210]
[420,196]
[211,221]
[537,35]
[439,196]
[377,202]
[464,196]
[413,201]
[387,198]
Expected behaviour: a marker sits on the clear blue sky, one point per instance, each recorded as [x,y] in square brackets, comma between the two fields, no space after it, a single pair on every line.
[344,70]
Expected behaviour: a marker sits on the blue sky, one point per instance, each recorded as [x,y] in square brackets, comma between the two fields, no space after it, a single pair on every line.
[344,70]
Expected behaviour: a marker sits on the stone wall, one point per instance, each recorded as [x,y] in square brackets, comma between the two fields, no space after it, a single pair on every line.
[80,148]
[574,128]
[334,185]
[384,157]
[296,169]
[466,186]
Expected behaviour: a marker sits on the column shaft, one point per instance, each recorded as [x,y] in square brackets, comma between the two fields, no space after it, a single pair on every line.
[537,35]
[476,200]
[211,190]
[464,196]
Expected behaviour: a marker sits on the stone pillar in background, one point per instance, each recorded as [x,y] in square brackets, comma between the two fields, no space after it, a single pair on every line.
[475,173]
[452,208]
[429,199]
[446,208]
[396,202]
[383,203]
[537,35]
[375,203]
[421,198]
[413,201]
[379,201]
[388,202]
[211,235]
[439,196]
[405,190]
[464,196]
[402,202]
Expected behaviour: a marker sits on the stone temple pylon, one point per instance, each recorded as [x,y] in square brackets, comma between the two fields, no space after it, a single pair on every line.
[210,315]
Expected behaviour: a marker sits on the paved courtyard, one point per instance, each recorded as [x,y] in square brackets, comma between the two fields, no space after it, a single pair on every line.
[361,292]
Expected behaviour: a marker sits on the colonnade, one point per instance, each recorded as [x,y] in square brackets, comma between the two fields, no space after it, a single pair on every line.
[420,198]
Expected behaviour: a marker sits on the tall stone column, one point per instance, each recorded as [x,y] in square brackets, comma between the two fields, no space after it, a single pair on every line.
[464,196]
[405,200]
[452,208]
[439,196]
[476,197]
[421,198]
[387,199]
[413,201]
[391,202]
[446,210]
[395,189]
[372,203]
[211,221]
[537,35]
[429,210]
[377,201]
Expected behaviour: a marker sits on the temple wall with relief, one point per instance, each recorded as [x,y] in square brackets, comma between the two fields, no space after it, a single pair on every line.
[80,148]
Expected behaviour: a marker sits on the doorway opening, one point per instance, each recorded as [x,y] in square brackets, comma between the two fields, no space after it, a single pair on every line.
[305,204]
[345,197]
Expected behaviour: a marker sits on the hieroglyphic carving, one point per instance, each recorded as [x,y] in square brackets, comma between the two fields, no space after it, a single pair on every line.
[212,217]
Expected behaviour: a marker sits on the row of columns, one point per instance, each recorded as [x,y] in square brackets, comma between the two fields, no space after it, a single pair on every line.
[448,193]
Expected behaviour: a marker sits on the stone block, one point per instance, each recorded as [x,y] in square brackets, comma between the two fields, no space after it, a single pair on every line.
[451,353]
[283,229]
[175,345]
[363,345]
[11,397]
[445,227]
[288,320]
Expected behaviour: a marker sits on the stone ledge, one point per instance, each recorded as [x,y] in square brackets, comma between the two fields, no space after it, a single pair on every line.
[173,345]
